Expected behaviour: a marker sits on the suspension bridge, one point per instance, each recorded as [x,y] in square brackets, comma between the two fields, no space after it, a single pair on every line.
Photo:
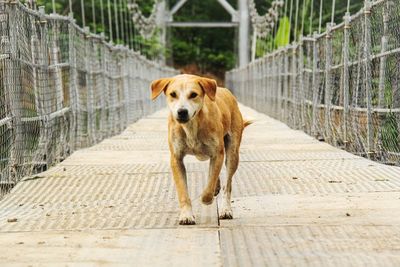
[85,177]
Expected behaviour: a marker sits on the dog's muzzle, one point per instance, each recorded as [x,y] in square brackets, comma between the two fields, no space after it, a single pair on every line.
[183,115]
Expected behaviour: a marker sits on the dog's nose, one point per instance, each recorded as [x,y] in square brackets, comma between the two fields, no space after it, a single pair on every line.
[183,114]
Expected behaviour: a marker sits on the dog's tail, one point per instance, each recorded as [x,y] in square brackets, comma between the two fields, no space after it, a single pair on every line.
[247,123]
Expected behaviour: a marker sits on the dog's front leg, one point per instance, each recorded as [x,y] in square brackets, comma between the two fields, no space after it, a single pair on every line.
[213,176]
[179,172]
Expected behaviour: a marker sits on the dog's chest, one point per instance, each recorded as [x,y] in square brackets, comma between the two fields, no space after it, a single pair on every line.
[193,145]
[198,147]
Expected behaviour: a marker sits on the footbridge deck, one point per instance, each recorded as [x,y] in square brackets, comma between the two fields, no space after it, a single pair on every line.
[296,202]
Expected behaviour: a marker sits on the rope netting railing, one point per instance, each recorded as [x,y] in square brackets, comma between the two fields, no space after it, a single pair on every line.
[62,88]
[341,86]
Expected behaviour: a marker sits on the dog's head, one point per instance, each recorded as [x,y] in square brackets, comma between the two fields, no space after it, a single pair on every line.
[185,94]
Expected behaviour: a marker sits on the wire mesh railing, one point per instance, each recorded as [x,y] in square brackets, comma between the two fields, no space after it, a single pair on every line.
[61,89]
[341,86]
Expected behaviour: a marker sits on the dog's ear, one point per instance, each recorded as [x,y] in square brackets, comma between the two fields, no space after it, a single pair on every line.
[158,86]
[209,86]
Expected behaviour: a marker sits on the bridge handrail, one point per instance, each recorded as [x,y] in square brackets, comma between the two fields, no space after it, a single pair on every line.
[63,88]
[339,86]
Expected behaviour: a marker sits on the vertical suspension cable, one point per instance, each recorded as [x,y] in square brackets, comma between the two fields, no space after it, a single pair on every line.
[275,30]
[320,15]
[290,15]
[303,17]
[333,11]
[109,20]
[133,32]
[102,16]
[295,21]
[116,21]
[348,6]
[53,2]
[128,25]
[122,21]
[94,16]
[311,16]
[70,7]
[285,10]
[83,13]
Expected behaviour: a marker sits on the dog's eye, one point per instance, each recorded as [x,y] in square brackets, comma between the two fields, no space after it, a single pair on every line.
[173,94]
[192,95]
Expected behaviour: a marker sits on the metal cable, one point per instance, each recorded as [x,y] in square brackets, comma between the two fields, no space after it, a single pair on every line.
[83,13]
[320,15]
[285,10]
[54,6]
[131,30]
[290,14]
[302,17]
[102,15]
[109,20]
[122,21]
[311,16]
[94,16]
[295,22]
[116,21]
[128,26]
[70,7]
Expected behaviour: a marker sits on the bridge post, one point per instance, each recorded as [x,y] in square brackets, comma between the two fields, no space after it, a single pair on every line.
[382,66]
[315,85]
[273,85]
[285,85]
[43,94]
[244,25]
[368,78]
[91,136]
[328,82]
[73,93]
[346,77]
[295,89]
[103,125]
[301,93]
[55,59]
[278,86]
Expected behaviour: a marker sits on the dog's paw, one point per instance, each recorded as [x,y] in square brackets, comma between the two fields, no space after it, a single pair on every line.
[226,214]
[186,218]
[207,199]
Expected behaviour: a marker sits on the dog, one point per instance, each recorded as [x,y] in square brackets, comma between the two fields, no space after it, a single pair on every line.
[204,121]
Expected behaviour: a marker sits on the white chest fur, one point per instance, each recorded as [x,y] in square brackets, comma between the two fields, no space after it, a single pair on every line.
[192,143]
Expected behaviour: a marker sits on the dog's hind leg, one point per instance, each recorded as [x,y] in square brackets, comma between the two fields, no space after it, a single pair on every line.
[231,163]
[179,173]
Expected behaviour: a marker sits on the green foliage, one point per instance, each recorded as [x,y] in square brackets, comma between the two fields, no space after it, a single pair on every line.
[213,50]
[203,48]
[282,37]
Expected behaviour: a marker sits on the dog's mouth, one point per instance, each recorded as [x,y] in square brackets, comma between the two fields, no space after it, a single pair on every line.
[180,120]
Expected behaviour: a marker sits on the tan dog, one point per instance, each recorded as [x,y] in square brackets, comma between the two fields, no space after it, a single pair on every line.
[204,121]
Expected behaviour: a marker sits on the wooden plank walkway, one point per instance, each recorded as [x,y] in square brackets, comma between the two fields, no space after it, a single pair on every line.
[297,202]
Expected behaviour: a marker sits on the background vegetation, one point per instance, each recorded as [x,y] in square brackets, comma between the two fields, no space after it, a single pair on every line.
[201,50]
